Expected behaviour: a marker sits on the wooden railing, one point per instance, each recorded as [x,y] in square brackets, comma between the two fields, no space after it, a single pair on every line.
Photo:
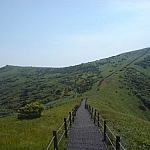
[110,139]
[62,132]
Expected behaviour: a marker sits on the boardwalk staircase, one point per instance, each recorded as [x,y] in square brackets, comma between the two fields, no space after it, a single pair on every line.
[88,131]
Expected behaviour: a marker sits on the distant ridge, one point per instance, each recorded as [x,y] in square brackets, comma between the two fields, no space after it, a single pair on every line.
[9,65]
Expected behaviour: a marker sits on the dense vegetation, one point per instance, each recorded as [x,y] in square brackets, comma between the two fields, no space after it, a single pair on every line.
[30,111]
[117,86]
[23,85]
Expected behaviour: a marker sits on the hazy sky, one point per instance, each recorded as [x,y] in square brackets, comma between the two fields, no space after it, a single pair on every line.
[58,33]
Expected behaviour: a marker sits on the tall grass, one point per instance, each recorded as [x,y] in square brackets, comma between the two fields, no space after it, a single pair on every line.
[122,114]
[33,134]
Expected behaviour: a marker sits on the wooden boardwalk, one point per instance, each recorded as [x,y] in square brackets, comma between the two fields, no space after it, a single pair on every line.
[85,135]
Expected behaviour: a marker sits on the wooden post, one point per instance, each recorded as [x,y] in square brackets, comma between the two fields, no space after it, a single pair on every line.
[70,118]
[92,114]
[75,111]
[89,109]
[65,127]
[98,124]
[105,130]
[95,116]
[55,140]
[117,142]
[73,115]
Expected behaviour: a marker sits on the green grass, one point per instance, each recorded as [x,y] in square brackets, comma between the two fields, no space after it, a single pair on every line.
[33,134]
[134,132]
[123,113]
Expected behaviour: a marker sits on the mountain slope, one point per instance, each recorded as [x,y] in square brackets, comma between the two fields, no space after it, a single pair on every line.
[132,82]
[119,87]
[123,98]
[22,85]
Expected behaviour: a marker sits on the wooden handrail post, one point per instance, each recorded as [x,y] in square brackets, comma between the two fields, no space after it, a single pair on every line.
[90,110]
[98,124]
[55,140]
[73,115]
[92,113]
[75,111]
[70,118]
[117,142]
[105,129]
[65,127]
[95,116]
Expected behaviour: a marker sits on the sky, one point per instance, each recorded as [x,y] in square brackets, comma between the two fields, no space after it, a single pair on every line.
[61,33]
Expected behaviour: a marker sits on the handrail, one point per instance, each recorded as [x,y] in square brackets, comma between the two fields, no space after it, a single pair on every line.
[67,118]
[122,146]
[61,138]
[60,127]
[111,132]
[67,124]
[110,141]
[105,129]
[50,143]
[101,125]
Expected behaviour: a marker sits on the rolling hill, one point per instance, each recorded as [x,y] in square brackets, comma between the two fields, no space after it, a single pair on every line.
[119,87]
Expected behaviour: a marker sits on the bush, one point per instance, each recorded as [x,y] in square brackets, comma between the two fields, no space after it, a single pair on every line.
[31,111]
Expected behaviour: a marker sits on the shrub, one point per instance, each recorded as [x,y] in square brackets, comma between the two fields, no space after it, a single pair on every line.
[31,111]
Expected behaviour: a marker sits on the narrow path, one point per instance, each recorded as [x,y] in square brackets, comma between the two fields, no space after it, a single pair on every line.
[85,135]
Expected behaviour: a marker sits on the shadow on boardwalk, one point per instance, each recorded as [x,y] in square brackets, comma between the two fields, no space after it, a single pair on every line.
[85,135]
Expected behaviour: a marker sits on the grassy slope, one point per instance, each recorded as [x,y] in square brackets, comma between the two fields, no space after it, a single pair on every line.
[114,99]
[21,85]
[32,134]
[120,106]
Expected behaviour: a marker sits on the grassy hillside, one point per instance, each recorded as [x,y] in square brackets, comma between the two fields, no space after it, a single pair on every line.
[123,98]
[22,85]
[119,87]
[33,134]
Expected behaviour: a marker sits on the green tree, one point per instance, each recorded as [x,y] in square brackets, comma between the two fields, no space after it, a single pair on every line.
[31,111]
